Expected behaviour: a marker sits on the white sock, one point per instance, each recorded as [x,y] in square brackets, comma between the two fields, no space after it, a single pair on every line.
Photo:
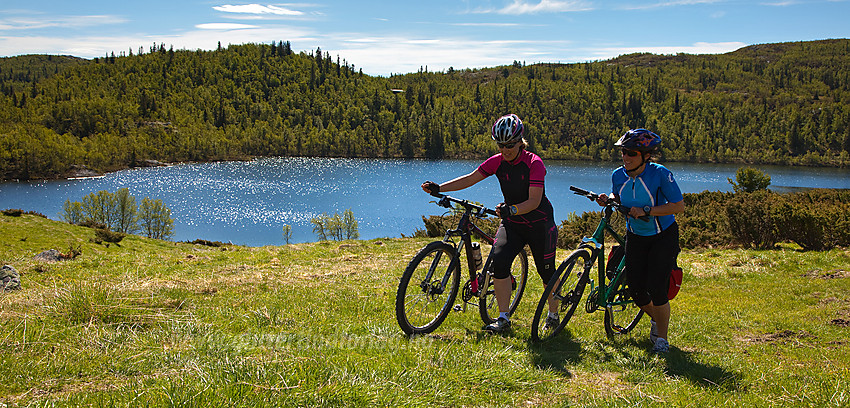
[504,315]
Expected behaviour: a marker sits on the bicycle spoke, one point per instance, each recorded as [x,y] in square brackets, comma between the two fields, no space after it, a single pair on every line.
[422,303]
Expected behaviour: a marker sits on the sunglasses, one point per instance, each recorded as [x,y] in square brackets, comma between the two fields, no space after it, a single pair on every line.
[630,153]
[507,145]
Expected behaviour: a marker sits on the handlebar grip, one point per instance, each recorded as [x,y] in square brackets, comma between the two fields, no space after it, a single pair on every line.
[582,192]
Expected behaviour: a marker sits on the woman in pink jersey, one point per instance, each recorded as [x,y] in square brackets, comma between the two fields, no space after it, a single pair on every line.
[527,215]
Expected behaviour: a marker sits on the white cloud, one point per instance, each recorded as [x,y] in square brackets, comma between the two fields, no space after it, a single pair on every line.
[99,46]
[696,48]
[385,55]
[780,3]
[224,26]
[486,24]
[544,6]
[257,9]
[24,23]
[673,3]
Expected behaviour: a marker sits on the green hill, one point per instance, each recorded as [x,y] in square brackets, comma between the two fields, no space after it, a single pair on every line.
[773,103]
[147,322]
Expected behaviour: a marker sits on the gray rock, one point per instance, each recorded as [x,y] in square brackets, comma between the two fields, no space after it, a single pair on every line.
[9,278]
[50,255]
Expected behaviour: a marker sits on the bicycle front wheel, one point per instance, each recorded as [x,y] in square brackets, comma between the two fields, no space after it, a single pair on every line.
[621,313]
[488,307]
[422,301]
[566,289]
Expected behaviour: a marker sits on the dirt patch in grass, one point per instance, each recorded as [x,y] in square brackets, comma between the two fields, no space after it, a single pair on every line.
[840,322]
[830,274]
[784,336]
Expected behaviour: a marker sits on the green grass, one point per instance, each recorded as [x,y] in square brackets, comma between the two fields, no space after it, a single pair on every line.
[148,322]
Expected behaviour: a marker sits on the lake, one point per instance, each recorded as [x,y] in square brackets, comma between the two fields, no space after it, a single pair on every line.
[248,203]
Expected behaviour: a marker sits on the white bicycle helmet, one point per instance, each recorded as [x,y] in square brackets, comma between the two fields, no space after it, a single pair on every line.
[507,129]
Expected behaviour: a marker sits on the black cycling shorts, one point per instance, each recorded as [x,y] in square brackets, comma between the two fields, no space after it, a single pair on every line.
[541,237]
[649,261]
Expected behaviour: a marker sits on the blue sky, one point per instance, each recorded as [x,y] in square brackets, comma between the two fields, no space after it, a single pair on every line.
[384,37]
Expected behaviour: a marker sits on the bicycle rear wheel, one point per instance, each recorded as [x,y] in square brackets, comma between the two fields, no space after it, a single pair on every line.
[566,287]
[621,313]
[422,303]
[488,307]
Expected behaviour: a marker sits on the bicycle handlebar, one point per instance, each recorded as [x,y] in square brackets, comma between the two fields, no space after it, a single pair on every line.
[480,211]
[593,196]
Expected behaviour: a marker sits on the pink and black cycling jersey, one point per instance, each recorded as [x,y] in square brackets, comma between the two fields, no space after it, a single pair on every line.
[515,177]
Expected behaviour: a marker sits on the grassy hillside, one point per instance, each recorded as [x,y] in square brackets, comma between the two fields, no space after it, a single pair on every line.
[149,322]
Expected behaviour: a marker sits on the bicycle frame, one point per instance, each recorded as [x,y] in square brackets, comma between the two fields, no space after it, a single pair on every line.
[596,244]
[430,283]
[608,291]
[465,229]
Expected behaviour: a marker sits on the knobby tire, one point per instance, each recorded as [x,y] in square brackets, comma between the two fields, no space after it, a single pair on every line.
[567,286]
[420,307]
[488,307]
[616,315]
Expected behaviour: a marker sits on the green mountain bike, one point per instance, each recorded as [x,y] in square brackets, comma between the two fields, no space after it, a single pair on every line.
[430,284]
[608,292]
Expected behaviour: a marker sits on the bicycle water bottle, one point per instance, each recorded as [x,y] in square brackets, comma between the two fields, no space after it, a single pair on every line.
[476,255]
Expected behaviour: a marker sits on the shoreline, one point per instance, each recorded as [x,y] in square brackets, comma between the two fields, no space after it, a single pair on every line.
[82,172]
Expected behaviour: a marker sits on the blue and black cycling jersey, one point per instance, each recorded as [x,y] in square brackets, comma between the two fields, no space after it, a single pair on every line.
[654,186]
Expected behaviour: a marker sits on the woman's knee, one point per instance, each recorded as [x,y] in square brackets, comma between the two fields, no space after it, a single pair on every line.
[501,265]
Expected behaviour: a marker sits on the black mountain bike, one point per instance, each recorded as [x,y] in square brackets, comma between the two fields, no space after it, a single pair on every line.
[609,292]
[429,286]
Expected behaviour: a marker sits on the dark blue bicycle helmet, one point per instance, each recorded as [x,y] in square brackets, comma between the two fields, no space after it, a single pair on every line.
[641,140]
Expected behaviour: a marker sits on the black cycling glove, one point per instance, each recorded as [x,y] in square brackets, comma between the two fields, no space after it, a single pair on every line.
[433,187]
[504,210]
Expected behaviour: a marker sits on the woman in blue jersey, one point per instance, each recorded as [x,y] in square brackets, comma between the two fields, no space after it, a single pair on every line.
[527,216]
[652,245]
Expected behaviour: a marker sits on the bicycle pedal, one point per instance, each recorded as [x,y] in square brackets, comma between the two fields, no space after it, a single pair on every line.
[457,308]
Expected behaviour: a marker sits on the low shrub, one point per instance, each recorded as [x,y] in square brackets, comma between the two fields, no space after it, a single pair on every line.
[575,227]
[105,235]
[13,212]
[815,219]
[437,225]
[214,244]
[704,222]
[92,224]
[752,220]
